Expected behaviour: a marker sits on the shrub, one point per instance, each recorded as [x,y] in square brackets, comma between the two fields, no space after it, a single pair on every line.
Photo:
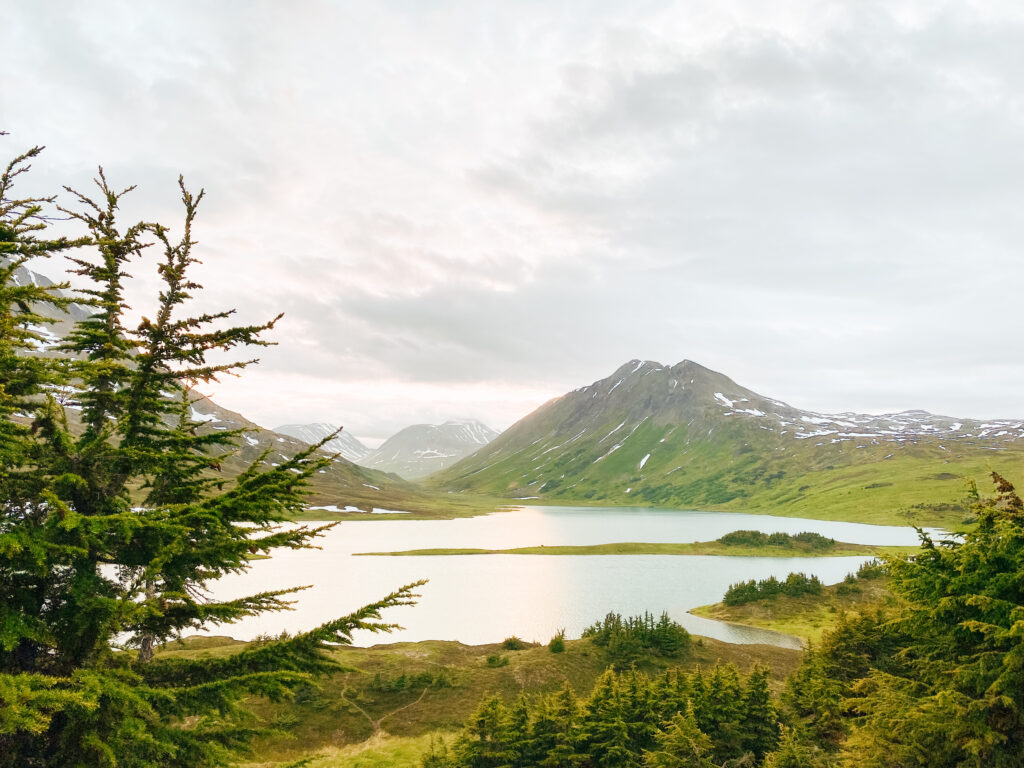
[804,540]
[497,660]
[514,644]
[872,569]
[813,540]
[557,644]
[744,539]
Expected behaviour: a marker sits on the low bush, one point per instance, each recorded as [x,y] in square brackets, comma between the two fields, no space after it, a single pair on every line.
[872,569]
[557,644]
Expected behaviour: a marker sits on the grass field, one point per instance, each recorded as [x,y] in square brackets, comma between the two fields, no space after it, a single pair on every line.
[382,710]
[841,549]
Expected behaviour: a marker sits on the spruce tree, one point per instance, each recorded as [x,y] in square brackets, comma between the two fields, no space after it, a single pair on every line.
[605,735]
[957,698]
[680,744]
[485,742]
[114,521]
[792,752]
[556,730]
[759,727]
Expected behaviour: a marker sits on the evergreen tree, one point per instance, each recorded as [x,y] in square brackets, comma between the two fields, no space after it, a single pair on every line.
[437,755]
[680,744]
[792,752]
[958,699]
[605,730]
[556,731]
[759,725]
[113,522]
[639,710]
[517,731]
[485,742]
[720,714]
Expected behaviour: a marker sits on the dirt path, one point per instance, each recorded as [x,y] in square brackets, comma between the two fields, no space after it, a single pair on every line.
[376,725]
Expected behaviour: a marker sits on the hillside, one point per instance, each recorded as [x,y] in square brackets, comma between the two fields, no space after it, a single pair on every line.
[341,485]
[408,691]
[423,449]
[687,436]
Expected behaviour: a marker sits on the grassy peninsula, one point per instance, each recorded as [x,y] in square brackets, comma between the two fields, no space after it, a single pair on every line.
[805,616]
[842,549]
[735,544]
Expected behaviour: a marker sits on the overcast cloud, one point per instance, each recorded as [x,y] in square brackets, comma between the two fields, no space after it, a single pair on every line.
[465,209]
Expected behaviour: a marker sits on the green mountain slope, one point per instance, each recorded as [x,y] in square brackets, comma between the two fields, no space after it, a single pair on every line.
[686,436]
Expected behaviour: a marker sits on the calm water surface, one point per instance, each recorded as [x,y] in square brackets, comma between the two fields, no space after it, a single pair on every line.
[485,598]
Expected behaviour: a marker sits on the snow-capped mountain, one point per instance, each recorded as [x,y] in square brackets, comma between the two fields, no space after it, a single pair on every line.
[344,444]
[423,449]
[686,435]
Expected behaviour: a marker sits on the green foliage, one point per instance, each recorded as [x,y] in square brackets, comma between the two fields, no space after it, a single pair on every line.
[629,719]
[793,752]
[497,660]
[557,642]
[938,681]
[872,569]
[794,585]
[680,744]
[412,682]
[114,521]
[805,540]
[514,644]
[625,640]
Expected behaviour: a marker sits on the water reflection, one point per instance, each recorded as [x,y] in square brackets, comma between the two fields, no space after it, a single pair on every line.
[479,599]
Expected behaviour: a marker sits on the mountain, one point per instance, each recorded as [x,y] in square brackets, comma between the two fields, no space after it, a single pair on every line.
[423,449]
[343,444]
[687,436]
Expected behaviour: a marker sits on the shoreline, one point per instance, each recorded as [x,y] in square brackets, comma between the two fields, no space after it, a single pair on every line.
[691,549]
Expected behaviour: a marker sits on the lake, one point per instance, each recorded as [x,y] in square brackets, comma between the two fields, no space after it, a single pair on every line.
[485,598]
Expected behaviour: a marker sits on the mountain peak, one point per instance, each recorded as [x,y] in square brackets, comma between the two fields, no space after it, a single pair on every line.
[686,434]
[422,449]
[343,443]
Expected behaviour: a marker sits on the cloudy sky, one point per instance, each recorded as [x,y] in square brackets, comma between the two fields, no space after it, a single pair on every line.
[467,208]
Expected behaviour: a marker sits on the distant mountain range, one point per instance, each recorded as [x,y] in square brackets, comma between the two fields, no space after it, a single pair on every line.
[343,444]
[685,435]
[342,484]
[423,449]
[414,452]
